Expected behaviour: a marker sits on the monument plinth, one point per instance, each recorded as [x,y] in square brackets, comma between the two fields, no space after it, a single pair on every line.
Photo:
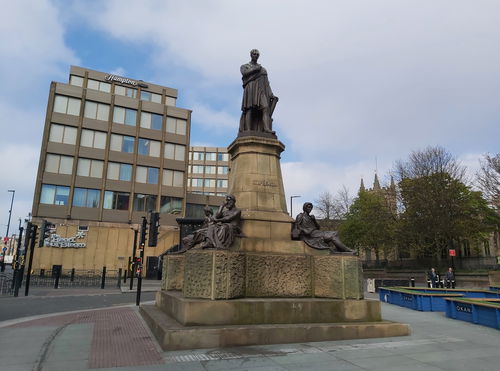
[243,280]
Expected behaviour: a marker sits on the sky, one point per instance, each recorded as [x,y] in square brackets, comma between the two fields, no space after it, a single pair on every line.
[361,83]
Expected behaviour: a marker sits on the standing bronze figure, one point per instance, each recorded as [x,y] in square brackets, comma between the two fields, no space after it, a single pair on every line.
[258,99]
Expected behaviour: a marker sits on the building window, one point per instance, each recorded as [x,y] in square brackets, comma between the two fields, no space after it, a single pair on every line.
[67,105]
[176,126]
[148,147]
[198,156]
[175,151]
[147,175]
[487,251]
[62,134]
[210,169]
[83,197]
[76,80]
[197,182]
[126,92]
[96,111]
[170,101]
[151,120]
[118,171]
[58,164]
[99,85]
[125,116]
[170,205]
[221,183]
[144,202]
[90,168]
[222,170]
[116,200]
[93,139]
[197,169]
[211,156]
[54,194]
[150,97]
[173,178]
[222,156]
[210,183]
[122,143]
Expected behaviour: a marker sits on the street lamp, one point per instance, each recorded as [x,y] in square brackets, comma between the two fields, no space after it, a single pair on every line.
[10,211]
[291,204]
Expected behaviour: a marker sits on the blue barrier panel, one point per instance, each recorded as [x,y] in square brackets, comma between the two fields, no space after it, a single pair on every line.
[481,312]
[494,288]
[415,299]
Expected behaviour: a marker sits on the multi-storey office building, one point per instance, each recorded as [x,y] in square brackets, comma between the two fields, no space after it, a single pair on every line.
[208,170]
[113,148]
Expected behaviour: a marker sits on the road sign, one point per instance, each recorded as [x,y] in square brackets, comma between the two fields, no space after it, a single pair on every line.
[453,252]
[5,239]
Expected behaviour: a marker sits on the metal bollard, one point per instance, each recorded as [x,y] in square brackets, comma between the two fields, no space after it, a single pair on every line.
[412,281]
[58,274]
[103,280]
[72,274]
[119,283]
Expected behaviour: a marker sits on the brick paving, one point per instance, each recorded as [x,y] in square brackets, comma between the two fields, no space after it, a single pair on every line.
[119,337]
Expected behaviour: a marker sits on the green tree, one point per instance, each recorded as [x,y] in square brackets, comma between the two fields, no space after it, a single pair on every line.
[370,224]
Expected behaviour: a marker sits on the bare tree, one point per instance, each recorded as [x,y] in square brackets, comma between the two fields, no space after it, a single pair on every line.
[488,179]
[333,207]
[432,160]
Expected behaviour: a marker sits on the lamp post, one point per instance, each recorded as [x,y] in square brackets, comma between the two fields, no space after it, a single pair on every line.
[291,204]
[10,211]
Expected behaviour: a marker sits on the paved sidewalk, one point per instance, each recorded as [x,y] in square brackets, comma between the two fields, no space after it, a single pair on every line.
[117,339]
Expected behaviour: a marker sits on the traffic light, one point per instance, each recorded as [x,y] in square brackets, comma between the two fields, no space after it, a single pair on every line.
[144,227]
[44,232]
[154,225]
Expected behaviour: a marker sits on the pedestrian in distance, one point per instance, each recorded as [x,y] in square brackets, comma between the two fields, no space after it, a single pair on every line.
[432,278]
[449,278]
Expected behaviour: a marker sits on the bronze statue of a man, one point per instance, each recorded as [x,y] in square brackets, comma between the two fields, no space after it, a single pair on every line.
[307,229]
[258,99]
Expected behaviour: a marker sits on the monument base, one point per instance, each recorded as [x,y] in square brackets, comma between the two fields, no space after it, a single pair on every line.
[171,335]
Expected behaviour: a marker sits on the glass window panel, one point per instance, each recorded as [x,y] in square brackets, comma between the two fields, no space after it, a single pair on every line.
[120,90]
[96,169]
[56,133]
[113,170]
[93,84]
[180,152]
[103,112]
[122,201]
[66,165]
[93,196]
[76,80]
[128,144]
[83,168]
[152,175]
[150,203]
[211,156]
[62,195]
[172,205]
[155,98]
[69,135]
[181,127]
[222,169]
[60,104]
[154,148]
[73,106]
[126,172]
[79,197]
[145,95]
[52,163]
[209,182]
[221,183]
[119,115]
[169,150]
[116,142]
[170,125]
[139,202]
[169,101]
[105,87]
[100,140]
[156,121]
[143,147]
[141,174]
[167,177]
[48,194]
[90,110]
[108,200]
[209,169]
[130,116]
[87,138]
[132,93]
[178,179]
[145,120]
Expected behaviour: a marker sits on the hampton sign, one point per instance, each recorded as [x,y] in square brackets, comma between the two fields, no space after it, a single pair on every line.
[124,80]
[57,241]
